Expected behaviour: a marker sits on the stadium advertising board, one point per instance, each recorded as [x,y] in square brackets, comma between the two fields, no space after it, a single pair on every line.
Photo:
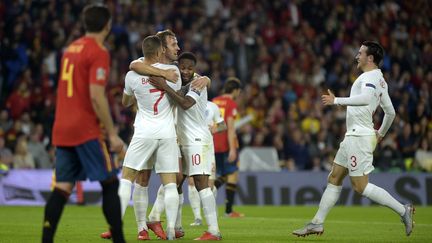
[32,187]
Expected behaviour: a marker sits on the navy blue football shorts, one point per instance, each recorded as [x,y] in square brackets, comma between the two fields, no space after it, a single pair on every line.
[88,160]
[223,167]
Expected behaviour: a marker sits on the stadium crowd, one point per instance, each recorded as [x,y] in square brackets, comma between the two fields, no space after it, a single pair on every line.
[286,52]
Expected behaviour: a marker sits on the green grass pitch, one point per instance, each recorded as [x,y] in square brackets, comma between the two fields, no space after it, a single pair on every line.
[261,224]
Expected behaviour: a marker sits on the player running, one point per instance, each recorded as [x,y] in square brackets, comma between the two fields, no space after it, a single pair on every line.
[367,92]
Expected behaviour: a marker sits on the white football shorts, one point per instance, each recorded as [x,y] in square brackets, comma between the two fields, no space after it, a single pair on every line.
[197,159]
[356,154]
[144,153]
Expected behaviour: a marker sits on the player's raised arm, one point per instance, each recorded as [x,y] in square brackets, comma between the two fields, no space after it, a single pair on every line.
[142,68]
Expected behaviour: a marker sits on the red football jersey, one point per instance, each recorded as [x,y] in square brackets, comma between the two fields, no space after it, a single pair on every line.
[84,62]
[228,108]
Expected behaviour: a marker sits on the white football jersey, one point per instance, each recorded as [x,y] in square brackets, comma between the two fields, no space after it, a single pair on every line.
[367,92]
[155,118]
[192,128]
[213,115]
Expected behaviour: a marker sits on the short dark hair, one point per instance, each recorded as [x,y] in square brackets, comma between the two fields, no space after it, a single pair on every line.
[164,34]
[150,45]
[374,49]
[189,56]
[231,84]
[96,17]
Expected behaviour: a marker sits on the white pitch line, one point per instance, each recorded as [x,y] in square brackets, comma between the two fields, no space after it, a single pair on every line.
[333,221]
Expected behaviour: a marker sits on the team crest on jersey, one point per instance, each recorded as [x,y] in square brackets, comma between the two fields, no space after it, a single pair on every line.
[100,73]
[196,91]
[382,83]
[234,112]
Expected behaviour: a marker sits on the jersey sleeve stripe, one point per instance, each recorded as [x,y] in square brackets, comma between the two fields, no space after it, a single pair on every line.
[370,85]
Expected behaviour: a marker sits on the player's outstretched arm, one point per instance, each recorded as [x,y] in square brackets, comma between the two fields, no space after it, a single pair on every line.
[328,99]
[185,102]
[144,69]
[367,93]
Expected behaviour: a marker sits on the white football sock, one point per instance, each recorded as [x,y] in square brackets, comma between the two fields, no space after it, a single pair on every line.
[381,196]
[124,193]
[140,202]
[209,208]
[178,223]
[195,202]
[158,206]
[328,200]
[215,191]
[171,206]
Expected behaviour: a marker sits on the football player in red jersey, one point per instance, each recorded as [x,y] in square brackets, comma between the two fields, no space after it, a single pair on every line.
[82,118]
[226,144]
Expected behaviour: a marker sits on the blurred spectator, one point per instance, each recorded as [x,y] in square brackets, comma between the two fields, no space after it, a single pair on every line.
[37,150]
[289,165]
[22,159]
[13,134]
[26,123]
[6,156]
[19,101]
[389,158]
[423,156]
[407,142]
[296,149]
[5,122]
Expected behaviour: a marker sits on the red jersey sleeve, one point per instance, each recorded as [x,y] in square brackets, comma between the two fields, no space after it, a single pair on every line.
[99,69]
[231,110]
